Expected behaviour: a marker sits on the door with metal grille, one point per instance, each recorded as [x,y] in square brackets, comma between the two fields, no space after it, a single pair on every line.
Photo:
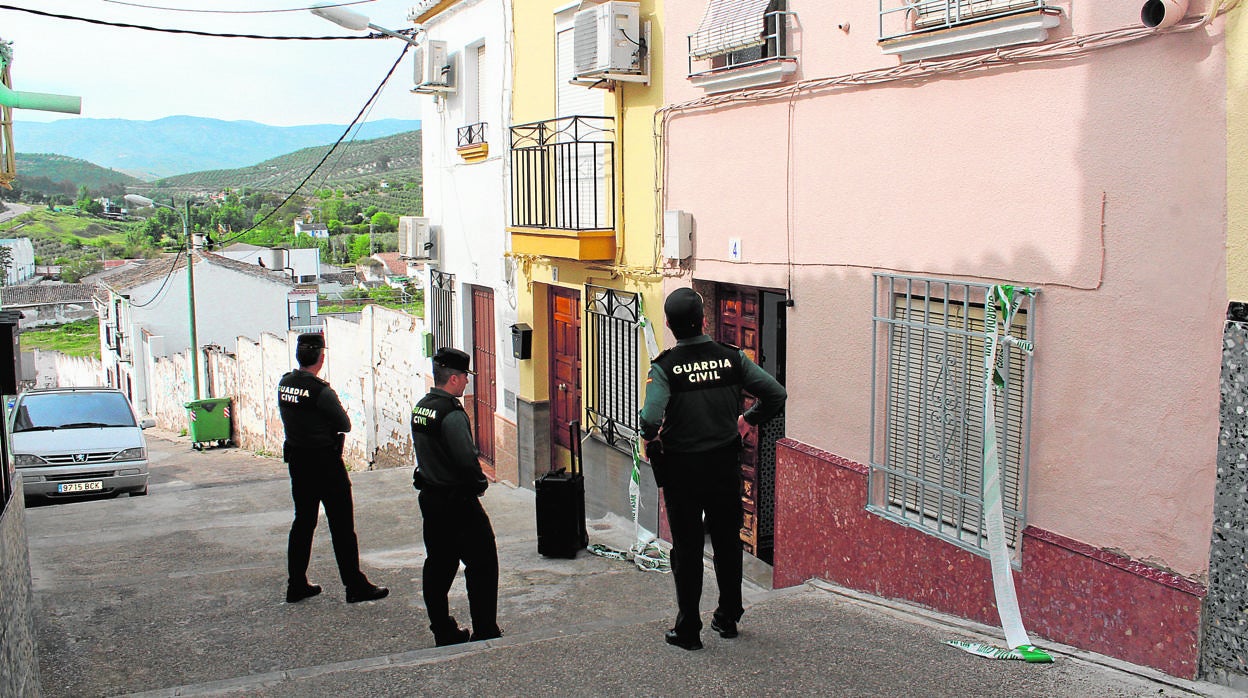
[565,363]
[442,308]
[485,383]
[753,319]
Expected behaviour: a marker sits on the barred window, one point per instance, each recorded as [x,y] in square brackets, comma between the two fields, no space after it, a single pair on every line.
[613,374]
[927,459]
[442,308]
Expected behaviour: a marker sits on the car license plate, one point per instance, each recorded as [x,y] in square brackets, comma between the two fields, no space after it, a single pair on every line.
[80,486]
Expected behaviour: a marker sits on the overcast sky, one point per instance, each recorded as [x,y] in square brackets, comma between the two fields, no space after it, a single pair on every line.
[145,75]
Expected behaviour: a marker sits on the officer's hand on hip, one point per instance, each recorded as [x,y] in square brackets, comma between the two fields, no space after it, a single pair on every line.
[743,427]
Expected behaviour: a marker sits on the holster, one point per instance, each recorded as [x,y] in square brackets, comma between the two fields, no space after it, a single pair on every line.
[658,461]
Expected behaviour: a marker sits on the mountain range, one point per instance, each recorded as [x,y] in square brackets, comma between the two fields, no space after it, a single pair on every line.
[183,144]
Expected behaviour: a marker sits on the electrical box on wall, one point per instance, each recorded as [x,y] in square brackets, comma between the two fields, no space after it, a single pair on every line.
[677,234]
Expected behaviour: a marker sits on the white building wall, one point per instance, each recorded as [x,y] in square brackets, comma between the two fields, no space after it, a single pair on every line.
[227,304]
[22,267]
[467,202]
[375,366]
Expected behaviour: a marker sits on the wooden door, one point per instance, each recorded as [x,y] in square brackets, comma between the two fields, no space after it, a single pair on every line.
[485,400]
[743,319]
[565,363]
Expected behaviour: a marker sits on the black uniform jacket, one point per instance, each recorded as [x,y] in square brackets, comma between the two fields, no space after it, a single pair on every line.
[446,456]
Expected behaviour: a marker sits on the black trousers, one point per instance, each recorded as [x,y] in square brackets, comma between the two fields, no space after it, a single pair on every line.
[706,483]
[457,529]
[316,481]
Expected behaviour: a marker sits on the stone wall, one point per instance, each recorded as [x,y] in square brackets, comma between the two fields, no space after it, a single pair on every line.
[19,662]
[1224,647]
[377,366]
[68,370]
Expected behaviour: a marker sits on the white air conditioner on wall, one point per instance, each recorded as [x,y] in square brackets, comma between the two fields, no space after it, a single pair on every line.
[416,238]
[607,39]
[434,68]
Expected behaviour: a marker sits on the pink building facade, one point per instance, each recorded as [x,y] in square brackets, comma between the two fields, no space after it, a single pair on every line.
[858,183]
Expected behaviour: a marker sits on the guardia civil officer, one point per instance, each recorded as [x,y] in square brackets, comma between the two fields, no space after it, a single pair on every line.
[692,424]
[315,424]
[456,527]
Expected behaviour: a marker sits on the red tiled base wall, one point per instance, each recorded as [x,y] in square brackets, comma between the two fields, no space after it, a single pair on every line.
[1069,592]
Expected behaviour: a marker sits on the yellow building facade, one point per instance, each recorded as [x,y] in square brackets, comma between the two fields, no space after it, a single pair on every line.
[585,231]
[1237,155]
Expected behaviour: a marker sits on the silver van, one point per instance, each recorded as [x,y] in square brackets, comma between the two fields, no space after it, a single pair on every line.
[73,442]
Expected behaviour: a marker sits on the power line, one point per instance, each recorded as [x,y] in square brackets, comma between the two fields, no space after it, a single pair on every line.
[193,32]
[160,290]
[230,12]
[329,152]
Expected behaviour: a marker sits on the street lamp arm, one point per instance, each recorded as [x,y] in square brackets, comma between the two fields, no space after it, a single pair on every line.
[348,19]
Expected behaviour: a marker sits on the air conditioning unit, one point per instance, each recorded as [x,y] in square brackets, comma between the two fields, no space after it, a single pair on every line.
[607,39]
[416,238]
[434,68]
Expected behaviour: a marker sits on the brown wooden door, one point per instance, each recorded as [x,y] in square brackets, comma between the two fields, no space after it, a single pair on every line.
[565,363]
[750,318]
[483,361]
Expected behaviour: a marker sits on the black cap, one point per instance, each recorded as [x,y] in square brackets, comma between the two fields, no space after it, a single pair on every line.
[313,340]
[449,357]
[683,309]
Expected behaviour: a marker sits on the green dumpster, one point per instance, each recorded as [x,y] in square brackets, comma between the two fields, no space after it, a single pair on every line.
[209,421]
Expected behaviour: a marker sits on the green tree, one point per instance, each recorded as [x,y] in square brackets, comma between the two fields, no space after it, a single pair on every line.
[384,222]
[359,247]
[75,270]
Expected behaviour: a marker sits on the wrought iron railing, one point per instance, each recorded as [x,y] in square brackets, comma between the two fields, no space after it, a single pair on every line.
[899,18]
[613,372]
[563,173]
[442,308]
[472,134]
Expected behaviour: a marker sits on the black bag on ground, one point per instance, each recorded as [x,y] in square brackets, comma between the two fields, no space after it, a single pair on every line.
[561,506]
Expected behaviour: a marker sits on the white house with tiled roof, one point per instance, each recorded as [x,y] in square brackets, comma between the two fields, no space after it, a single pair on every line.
[144,313]
[49,303]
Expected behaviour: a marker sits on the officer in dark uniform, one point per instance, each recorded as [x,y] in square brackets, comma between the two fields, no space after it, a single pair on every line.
[692,424]
[315,424]
[456,527]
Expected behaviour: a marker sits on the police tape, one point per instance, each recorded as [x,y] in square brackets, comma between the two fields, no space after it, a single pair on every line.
[1009,298]
[645,551]
[647,331]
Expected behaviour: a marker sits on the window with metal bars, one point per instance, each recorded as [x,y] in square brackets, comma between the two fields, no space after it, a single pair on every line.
[739,32]
[927,459]
[442,308]
[613,373]
[903,17]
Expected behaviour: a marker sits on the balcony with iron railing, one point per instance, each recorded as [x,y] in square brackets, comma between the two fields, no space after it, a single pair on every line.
[918,29]
[563,188]
[471,143]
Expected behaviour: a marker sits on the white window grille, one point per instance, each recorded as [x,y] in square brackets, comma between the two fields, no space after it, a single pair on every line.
[928,386]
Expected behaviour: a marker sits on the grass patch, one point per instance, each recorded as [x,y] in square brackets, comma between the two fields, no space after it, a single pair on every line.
[81,338]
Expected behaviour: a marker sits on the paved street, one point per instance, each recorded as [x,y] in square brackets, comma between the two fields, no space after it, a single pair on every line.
[12,210]
[180,593]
